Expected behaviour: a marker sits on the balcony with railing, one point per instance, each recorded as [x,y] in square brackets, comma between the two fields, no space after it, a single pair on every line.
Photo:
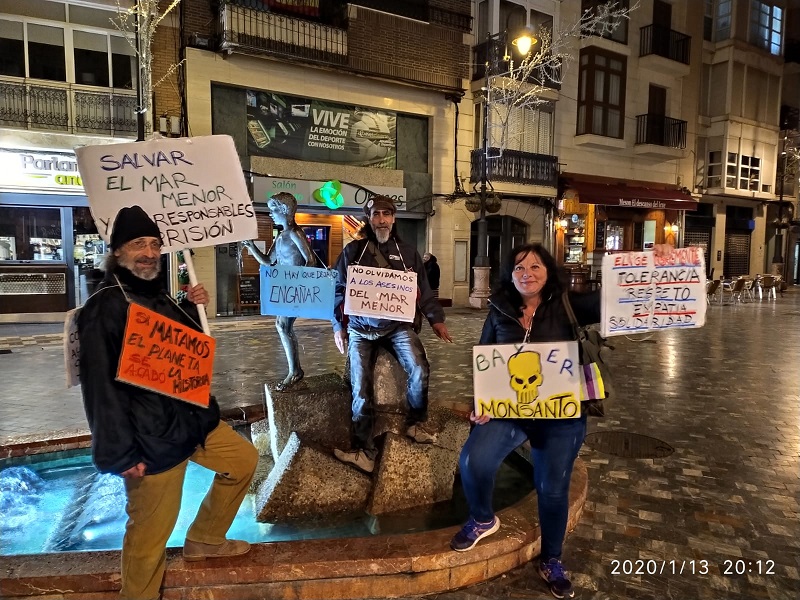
[245,27]
[493,51]
[51,106]
[656,40]
[515,166]
[660,135]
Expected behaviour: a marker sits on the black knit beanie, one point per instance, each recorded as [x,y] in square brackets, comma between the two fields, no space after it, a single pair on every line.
[130,223]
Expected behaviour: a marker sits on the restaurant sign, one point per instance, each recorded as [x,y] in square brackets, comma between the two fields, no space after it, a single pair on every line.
[311,194]
[638,203]
[37,170]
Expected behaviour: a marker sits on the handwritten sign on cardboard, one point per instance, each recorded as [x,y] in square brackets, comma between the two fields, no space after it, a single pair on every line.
[193,188]
[642,293]
[381,293]
[290,291]
[164,356]
[527,381]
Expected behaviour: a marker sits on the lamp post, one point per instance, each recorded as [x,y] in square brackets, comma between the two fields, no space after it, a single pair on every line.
[481,270]
[777,258]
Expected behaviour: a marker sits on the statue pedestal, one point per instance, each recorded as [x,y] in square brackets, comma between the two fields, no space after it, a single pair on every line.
[479,298]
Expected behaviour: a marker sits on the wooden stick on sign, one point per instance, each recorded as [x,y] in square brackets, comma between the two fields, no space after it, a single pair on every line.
[201,309]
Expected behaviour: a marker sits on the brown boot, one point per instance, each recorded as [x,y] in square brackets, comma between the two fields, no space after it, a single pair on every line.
[199,551]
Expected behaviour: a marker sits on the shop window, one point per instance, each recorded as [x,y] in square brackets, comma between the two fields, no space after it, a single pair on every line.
[30,234]
[89,251]
[318,237]
[615,235]
[601,93]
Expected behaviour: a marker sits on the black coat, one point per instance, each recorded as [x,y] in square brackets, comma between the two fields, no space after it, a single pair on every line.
[354,254]
[130,424]
[433,272]
[550,323]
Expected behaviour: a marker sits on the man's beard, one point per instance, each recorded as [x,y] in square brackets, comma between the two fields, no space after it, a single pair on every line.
[146,272]
[383,235]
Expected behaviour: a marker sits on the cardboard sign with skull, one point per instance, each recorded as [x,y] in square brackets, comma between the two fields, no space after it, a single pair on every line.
[527,381]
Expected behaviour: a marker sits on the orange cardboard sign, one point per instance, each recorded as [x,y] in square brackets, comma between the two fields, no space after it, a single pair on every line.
[165,356]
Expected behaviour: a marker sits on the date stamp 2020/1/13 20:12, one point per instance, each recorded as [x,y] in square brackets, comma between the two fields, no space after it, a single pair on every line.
[728,567]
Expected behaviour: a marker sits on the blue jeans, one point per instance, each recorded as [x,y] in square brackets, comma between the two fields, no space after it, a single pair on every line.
[362,350]
[555,445]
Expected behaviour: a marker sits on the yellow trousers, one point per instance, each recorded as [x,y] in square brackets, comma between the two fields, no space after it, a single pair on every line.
[155,500]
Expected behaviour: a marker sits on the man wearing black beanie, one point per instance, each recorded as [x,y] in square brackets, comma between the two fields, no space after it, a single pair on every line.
[148,438]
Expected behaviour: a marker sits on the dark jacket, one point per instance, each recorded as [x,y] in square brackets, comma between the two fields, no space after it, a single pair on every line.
[129,424]
[352,255]
[550,323]
[433,272]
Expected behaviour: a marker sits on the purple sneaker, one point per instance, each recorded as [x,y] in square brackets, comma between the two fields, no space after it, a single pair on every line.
[555,575]
[472,533]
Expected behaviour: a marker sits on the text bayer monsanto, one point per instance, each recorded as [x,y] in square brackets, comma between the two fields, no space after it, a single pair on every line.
[642,292]
[381,293]
[193,188]
[527,381]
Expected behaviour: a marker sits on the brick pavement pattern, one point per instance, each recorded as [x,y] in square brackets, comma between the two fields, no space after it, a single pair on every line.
[726,397]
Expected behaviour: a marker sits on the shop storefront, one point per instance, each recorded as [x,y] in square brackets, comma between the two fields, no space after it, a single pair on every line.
[330,213]
[49,246]
[599,216]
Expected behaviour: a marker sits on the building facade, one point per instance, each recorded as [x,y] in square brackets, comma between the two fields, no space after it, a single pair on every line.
[67,79]
[331,101]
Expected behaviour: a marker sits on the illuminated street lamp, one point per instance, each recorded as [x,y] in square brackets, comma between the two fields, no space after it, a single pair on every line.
[523,43]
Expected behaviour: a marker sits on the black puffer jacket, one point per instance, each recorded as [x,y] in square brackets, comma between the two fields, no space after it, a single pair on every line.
[129,424]
[550,323]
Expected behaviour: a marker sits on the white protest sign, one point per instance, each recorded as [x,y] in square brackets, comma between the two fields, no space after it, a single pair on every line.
[527,381]
[193,188]
[643,293]
[291,291]
[381,293]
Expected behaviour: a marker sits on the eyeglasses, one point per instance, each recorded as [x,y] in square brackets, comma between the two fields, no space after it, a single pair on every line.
[141,244]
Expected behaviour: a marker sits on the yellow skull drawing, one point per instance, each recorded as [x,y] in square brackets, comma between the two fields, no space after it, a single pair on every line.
[525,369]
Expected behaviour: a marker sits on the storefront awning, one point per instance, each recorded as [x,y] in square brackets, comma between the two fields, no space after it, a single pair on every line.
[630,196]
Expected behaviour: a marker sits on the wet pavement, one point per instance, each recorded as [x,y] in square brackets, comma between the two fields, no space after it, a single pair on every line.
[700,522]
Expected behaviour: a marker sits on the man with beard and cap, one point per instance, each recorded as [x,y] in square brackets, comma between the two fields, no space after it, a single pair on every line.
[148,438]
[362,336]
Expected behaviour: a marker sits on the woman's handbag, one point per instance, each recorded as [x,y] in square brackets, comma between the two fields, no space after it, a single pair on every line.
[595,374]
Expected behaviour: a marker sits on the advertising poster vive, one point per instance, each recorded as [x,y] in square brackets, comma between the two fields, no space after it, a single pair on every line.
[293,127]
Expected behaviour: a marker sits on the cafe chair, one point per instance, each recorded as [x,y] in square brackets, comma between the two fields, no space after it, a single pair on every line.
[734,291]
[712,288]
[767,285]
[747,292]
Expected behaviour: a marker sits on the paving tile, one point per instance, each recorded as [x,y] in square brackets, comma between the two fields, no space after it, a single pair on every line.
[724,396]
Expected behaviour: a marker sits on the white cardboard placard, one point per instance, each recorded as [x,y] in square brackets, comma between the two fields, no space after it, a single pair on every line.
[381,293]
[193,188]
[642,293]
